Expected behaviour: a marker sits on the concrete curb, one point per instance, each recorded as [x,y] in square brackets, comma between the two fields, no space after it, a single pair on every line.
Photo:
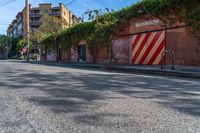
[124,69]
[156,72]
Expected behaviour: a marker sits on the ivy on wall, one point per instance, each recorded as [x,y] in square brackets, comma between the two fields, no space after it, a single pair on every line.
[101,29]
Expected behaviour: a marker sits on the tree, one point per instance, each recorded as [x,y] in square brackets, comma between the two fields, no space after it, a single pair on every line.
[3,43]
[51,27]
[92,40]
[22,44]
[36,37]
[12,42]
[103,30]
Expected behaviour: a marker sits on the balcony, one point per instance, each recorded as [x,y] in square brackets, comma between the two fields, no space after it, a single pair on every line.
[19,21]
[56,8]
[35,15]
[35,23]
[20,33]
[55,13]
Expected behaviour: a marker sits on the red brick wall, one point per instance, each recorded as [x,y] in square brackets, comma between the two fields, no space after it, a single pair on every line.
[66,55]
[180,40]
[186,47]
[74,55]
[121,50]
[102,56]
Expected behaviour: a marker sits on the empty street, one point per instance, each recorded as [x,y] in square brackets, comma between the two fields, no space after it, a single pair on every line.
[40,98]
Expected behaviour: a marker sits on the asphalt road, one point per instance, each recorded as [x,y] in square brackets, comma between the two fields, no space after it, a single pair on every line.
[48,99]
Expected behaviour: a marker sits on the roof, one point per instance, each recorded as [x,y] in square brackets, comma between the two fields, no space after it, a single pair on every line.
[19,14]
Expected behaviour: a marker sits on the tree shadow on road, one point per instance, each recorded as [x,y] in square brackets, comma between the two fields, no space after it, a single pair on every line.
[70,93]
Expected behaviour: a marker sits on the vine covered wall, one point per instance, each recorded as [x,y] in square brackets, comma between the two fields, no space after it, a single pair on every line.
[101,29]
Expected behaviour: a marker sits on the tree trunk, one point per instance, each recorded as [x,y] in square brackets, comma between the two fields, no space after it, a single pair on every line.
[94,59]
[69,55]
[56,49]
[111,50]
[111,53]
[95,53]
[45,50]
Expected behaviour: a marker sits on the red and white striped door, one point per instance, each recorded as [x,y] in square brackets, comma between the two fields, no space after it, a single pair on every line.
[148,48]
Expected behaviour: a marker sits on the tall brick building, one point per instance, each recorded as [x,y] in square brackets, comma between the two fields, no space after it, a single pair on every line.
[17,28]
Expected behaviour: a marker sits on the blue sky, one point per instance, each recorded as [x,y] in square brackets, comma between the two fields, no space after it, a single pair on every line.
[8,12]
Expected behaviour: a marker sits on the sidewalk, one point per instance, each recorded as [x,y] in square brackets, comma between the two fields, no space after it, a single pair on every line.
[180,71]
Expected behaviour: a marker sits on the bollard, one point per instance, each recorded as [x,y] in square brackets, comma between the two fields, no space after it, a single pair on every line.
[173,58]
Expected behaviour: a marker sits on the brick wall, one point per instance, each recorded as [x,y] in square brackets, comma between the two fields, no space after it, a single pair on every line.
[121,50]
[180,40]
[102,56]
[185,45]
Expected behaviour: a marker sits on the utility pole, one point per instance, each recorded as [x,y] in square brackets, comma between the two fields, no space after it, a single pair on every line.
[27,29]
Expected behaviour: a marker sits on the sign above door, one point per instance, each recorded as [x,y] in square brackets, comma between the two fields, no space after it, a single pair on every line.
[147,23]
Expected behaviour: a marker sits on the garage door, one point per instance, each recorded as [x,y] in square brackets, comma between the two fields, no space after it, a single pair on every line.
[147,48]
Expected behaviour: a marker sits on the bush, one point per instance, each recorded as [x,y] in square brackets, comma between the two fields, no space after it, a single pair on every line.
[34,56]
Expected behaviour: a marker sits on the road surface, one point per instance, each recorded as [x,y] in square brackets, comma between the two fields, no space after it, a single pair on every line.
[49,99]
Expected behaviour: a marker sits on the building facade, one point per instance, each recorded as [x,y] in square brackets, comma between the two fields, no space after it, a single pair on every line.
[9,30]
[146,41]
[14,31]
[150,42]
[17,28]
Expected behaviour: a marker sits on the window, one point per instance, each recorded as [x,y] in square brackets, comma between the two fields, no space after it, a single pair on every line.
[19,26]
[46,11]
[64,13]
[15,32]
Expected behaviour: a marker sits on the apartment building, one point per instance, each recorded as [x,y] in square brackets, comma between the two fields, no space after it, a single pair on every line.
[9,30]
[17,28]
[14,30]
[19,24]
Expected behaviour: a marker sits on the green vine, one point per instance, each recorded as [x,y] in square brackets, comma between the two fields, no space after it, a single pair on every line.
[100,30]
